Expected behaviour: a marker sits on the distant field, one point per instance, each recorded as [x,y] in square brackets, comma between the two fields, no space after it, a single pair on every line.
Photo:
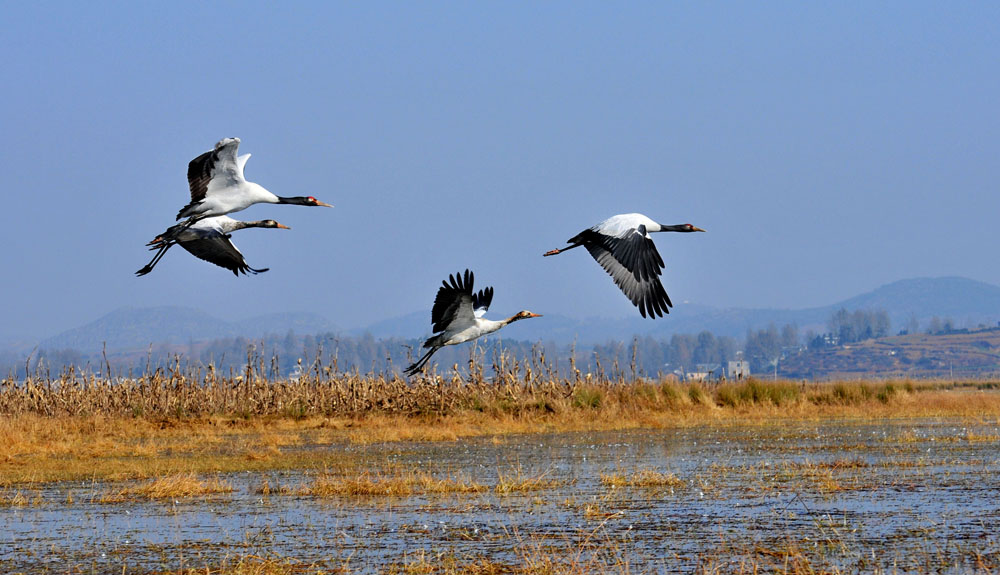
[962,354]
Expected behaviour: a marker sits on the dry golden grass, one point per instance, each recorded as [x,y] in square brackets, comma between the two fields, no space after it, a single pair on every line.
[540,563]
[254,565]
[822,476]
[16,498]
[363,486]
[450,485]
[517,392]
[533,557]
[835,465]
[393,483]
[595,554]
[178,486]
[517,483]
[980,438]
[266,488]
[81,428]
[641,478]
[374,484]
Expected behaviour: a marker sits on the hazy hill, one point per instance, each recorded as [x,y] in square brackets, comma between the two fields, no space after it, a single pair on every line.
[963,300]
[413,324]
[133,328]
[967,302]
[281,323]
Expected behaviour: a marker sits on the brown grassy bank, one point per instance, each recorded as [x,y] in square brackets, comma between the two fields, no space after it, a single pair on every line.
[76,427]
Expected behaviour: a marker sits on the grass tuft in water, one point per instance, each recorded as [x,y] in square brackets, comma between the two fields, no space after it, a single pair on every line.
[177,486]
[641,478]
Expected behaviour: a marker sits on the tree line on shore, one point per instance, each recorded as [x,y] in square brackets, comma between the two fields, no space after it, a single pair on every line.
[290,354]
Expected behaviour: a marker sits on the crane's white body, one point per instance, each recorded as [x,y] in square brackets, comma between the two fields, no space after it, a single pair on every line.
[621,224]
[463,331]
[226,199]
[208,227]
[229,191]
[467,324]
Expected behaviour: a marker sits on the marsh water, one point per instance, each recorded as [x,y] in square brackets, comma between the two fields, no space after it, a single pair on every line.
[903,496]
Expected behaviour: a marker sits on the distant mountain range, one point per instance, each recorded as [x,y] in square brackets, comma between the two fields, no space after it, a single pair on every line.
[967,302]
[133,328]
[963,300]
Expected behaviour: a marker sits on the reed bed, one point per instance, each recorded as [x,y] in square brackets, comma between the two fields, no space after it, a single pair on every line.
[79,425]
[176,486]
[516,389]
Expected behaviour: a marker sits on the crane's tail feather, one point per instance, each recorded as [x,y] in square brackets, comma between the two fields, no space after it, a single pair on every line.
[247,270]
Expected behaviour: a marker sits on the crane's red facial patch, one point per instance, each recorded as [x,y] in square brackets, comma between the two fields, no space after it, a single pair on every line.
[314,202]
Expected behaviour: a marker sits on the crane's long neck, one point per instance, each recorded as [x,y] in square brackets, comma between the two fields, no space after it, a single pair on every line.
[512,319]
[677,228]
[238,225]
[242,225]
[295,200]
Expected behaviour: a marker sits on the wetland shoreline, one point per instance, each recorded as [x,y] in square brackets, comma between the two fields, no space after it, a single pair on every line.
[372,475]
[62,431]
[854,495]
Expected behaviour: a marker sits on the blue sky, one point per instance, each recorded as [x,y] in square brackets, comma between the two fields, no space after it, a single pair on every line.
[827,149]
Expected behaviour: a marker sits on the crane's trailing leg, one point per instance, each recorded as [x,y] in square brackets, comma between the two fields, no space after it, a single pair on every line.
[561,250]
[162,248]
[419,364]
